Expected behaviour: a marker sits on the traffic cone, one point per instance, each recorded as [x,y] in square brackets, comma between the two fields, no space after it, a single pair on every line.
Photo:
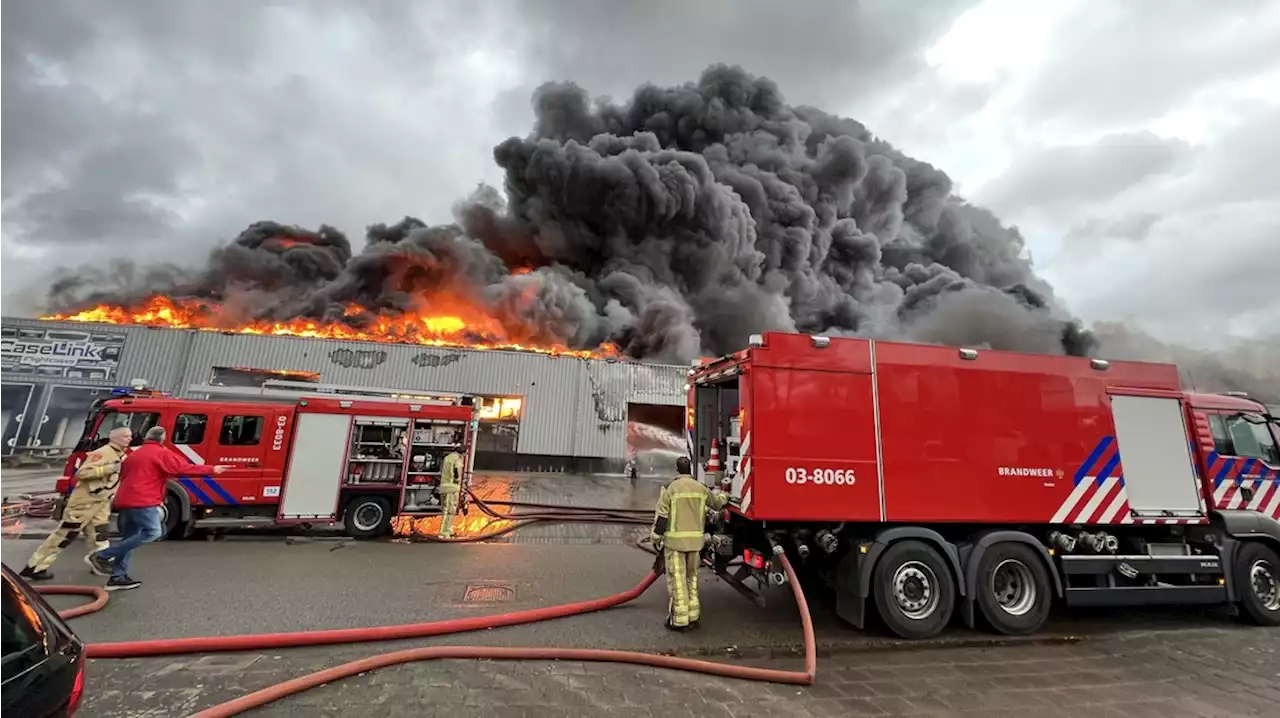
[713,463]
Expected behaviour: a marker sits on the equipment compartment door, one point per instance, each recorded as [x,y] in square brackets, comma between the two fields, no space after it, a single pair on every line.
[1159,471]
[316,467]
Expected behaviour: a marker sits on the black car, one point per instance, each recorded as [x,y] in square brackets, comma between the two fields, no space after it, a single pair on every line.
[44,661]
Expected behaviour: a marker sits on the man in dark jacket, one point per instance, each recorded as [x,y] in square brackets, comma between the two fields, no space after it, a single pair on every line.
[138,500]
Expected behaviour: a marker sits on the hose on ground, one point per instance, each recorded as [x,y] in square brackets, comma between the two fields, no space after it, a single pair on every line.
[37,507]
[268,641]
[562,514]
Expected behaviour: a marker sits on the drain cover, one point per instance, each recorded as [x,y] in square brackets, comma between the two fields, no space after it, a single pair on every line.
[488,593]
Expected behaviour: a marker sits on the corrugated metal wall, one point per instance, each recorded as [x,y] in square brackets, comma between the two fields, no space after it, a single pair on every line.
[572,407]
[658,384]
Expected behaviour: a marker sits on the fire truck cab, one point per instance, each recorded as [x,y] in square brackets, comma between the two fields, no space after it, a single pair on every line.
[921,480]
[298,453]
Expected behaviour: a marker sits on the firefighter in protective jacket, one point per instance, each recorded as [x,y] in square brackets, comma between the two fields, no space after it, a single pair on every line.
[678,530]
[88,508]
[450,488]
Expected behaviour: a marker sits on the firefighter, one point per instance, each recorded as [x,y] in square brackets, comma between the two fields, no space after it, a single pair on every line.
[450,487]
[678,529]
[88,508]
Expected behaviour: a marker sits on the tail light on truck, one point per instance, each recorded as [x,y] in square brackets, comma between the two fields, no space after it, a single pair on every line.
[754,559]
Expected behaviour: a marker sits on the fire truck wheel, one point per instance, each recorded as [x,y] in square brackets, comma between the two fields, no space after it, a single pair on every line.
[914,590]
[1257,579]
[1014,590]
[171,517]
[366,517]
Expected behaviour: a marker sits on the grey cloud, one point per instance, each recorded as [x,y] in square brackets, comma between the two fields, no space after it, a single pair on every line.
[826,52]
[1205,274]
[1252,367]
[1135,227]
[1137,60]
[1244,165]
[1066,176]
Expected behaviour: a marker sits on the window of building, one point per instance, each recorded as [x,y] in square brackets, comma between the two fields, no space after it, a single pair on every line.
[241,430]
[500,408]
[189,428]
[243,376]
[1233,436]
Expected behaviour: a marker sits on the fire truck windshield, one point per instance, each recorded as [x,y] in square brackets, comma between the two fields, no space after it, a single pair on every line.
[101,421]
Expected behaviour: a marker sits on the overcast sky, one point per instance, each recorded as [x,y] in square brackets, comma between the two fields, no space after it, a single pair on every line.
[1133,142]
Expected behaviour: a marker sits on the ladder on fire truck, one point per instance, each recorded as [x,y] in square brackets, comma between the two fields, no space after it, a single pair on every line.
[276,390]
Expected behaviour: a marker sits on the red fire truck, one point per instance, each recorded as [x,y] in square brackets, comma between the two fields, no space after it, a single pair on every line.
[929,479]
[299,453]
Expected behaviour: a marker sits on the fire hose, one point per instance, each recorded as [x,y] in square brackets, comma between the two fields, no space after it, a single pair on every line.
[271,641]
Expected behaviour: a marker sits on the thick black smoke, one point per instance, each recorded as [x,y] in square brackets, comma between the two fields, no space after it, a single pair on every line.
[675,225]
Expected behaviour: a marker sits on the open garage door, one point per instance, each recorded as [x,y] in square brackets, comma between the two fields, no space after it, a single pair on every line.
[655,437]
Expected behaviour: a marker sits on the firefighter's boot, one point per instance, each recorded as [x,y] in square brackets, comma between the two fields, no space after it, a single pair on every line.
[33,575]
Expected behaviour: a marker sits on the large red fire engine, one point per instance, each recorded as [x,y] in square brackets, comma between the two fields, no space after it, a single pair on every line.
[928,479]
[298,453]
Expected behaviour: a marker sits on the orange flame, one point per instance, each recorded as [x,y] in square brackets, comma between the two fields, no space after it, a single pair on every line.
[469,525]
[453,322]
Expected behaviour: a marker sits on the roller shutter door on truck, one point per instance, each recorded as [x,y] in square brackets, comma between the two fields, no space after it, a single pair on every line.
[1159,470]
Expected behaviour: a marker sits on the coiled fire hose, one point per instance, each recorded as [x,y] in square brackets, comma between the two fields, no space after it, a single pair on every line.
[271,641]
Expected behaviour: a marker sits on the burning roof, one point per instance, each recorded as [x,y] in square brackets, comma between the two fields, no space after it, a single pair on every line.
[464,329]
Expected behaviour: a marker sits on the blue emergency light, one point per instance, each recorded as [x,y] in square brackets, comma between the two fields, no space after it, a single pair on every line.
[128,391]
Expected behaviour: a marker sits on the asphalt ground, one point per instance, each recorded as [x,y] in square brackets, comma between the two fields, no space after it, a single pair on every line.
[267,582]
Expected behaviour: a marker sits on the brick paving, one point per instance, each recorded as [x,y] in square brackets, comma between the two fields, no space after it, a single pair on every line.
[1202,673]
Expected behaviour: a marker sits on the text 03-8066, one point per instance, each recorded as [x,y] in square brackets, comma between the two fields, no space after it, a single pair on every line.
[820,477]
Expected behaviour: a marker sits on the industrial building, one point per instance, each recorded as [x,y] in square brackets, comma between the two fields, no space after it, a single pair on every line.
[539,412]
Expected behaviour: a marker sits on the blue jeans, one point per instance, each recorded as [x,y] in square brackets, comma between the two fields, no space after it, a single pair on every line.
[137,526]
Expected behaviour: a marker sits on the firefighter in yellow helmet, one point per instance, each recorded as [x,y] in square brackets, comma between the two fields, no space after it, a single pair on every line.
[450,488]
[678,529]
[88,508]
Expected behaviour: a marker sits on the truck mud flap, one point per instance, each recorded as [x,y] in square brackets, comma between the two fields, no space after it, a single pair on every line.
[737,579]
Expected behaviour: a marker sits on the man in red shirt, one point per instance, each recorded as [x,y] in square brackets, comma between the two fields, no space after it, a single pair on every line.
[138,500]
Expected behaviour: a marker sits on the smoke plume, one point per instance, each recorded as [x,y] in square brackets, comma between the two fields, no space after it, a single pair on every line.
[675,225]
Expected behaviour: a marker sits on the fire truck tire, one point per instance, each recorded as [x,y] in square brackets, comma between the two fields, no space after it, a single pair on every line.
[914,590]
[366,517]
[1014,590]
[171,522]
[1257,580]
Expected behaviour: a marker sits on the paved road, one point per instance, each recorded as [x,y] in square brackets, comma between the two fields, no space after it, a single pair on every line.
[261,585]
[266,583]
[1203,673]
